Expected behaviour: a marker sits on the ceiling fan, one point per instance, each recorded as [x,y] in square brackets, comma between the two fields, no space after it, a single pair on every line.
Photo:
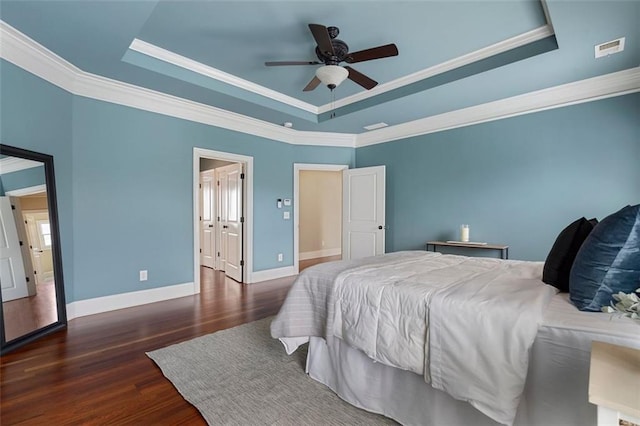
[331,52]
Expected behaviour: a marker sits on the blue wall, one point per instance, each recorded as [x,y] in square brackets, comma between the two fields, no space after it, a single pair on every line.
[124,180]
[26,178]
[129,204]
[516,181]
[133,195]
[36,115]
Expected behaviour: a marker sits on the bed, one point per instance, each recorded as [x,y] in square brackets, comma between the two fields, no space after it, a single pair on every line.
[431,339]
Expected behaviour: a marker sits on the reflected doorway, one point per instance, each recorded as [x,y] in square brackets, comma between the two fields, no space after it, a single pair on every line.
[37,308]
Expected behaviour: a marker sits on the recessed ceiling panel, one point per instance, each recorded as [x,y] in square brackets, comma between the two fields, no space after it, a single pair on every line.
[238,37]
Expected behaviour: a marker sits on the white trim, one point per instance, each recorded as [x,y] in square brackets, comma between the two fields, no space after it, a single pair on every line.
[15,164]
[320,253]
[36,189]
[198,67]
[248,209]
[81,308]
[33,57]
[592,89]
[272,274]
[216,74]
[36,59]
[486,52]
[296,202]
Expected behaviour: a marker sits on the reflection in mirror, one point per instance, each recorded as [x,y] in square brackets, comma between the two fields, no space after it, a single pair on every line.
[30,265]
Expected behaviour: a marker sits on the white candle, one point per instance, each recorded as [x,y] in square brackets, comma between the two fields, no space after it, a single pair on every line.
[464,233]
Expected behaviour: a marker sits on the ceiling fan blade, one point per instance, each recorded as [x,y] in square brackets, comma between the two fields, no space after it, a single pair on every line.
[280,63]
[361,79]
[321,35]
[374,53]
[315,81]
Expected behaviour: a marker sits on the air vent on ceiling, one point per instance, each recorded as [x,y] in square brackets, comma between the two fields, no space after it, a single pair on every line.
[610,47]
[376,126]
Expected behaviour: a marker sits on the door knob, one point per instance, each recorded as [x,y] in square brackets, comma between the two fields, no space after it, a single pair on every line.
[380,227]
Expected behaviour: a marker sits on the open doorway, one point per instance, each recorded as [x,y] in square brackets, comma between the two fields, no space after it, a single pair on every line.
[33,306]
[317,214]
[223,231]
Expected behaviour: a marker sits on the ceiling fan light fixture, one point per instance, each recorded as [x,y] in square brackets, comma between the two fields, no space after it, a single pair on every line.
[332,75]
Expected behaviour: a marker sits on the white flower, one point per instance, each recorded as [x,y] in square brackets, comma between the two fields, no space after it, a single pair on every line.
[628,304]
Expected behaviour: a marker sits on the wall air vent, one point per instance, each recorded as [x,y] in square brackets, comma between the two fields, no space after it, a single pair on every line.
[376,126]
[610,47]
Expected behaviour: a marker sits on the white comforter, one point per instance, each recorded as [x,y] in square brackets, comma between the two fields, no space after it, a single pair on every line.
[466,324]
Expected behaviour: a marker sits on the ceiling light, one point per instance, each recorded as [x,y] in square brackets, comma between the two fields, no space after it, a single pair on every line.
[287,124]
[332,75]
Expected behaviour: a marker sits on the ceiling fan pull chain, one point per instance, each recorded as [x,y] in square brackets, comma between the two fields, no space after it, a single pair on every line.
[333,104]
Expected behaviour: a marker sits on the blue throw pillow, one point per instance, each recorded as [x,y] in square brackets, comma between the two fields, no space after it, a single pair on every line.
[608,261]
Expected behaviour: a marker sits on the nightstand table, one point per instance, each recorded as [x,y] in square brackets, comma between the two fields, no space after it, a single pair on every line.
[504,250]
[614,384]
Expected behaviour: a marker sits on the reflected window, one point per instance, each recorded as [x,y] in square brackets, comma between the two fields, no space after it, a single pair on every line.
[45,233]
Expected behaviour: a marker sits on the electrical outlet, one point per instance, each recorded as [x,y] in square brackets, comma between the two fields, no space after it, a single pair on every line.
[280,257]
[143,275]
[286,215]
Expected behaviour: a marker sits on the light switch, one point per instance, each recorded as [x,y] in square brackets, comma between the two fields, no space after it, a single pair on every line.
[286,215]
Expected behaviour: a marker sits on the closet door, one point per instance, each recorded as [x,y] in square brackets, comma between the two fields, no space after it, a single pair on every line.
[222,183]
[363,210]
[234,222]
[207,219]
[231,220]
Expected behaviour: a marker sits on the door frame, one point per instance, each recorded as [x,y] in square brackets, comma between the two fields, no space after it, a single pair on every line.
[297,167]
[247,243]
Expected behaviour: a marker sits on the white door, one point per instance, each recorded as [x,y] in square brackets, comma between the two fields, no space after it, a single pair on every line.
[12,276]
[221,234]
[230,219]
[40,244]
[234,221]
[207,219]
[25,247]
[363,206]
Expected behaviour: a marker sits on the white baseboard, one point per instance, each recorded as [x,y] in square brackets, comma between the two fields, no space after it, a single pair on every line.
[320,253]
[272,274]
[97,305]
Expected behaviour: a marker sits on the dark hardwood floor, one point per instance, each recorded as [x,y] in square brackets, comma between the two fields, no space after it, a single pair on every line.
[96,371]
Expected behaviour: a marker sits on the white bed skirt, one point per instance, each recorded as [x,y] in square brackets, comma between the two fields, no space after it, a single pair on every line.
[555,395]
[556,390]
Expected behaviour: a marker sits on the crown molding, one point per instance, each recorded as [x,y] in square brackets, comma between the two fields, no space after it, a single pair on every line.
[31,56]
[167,56]
[486,52]
[32,190]
[588,90]
[15,164]
[27,54]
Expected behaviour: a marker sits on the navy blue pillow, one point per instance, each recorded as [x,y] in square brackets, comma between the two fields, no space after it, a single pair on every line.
[608,261]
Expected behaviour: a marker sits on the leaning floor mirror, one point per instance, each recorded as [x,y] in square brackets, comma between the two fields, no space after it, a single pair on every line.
[33,303]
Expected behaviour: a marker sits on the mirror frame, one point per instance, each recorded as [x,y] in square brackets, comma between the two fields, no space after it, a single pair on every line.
[56,251]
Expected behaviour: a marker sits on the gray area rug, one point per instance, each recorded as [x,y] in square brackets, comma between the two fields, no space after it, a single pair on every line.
[241,376]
